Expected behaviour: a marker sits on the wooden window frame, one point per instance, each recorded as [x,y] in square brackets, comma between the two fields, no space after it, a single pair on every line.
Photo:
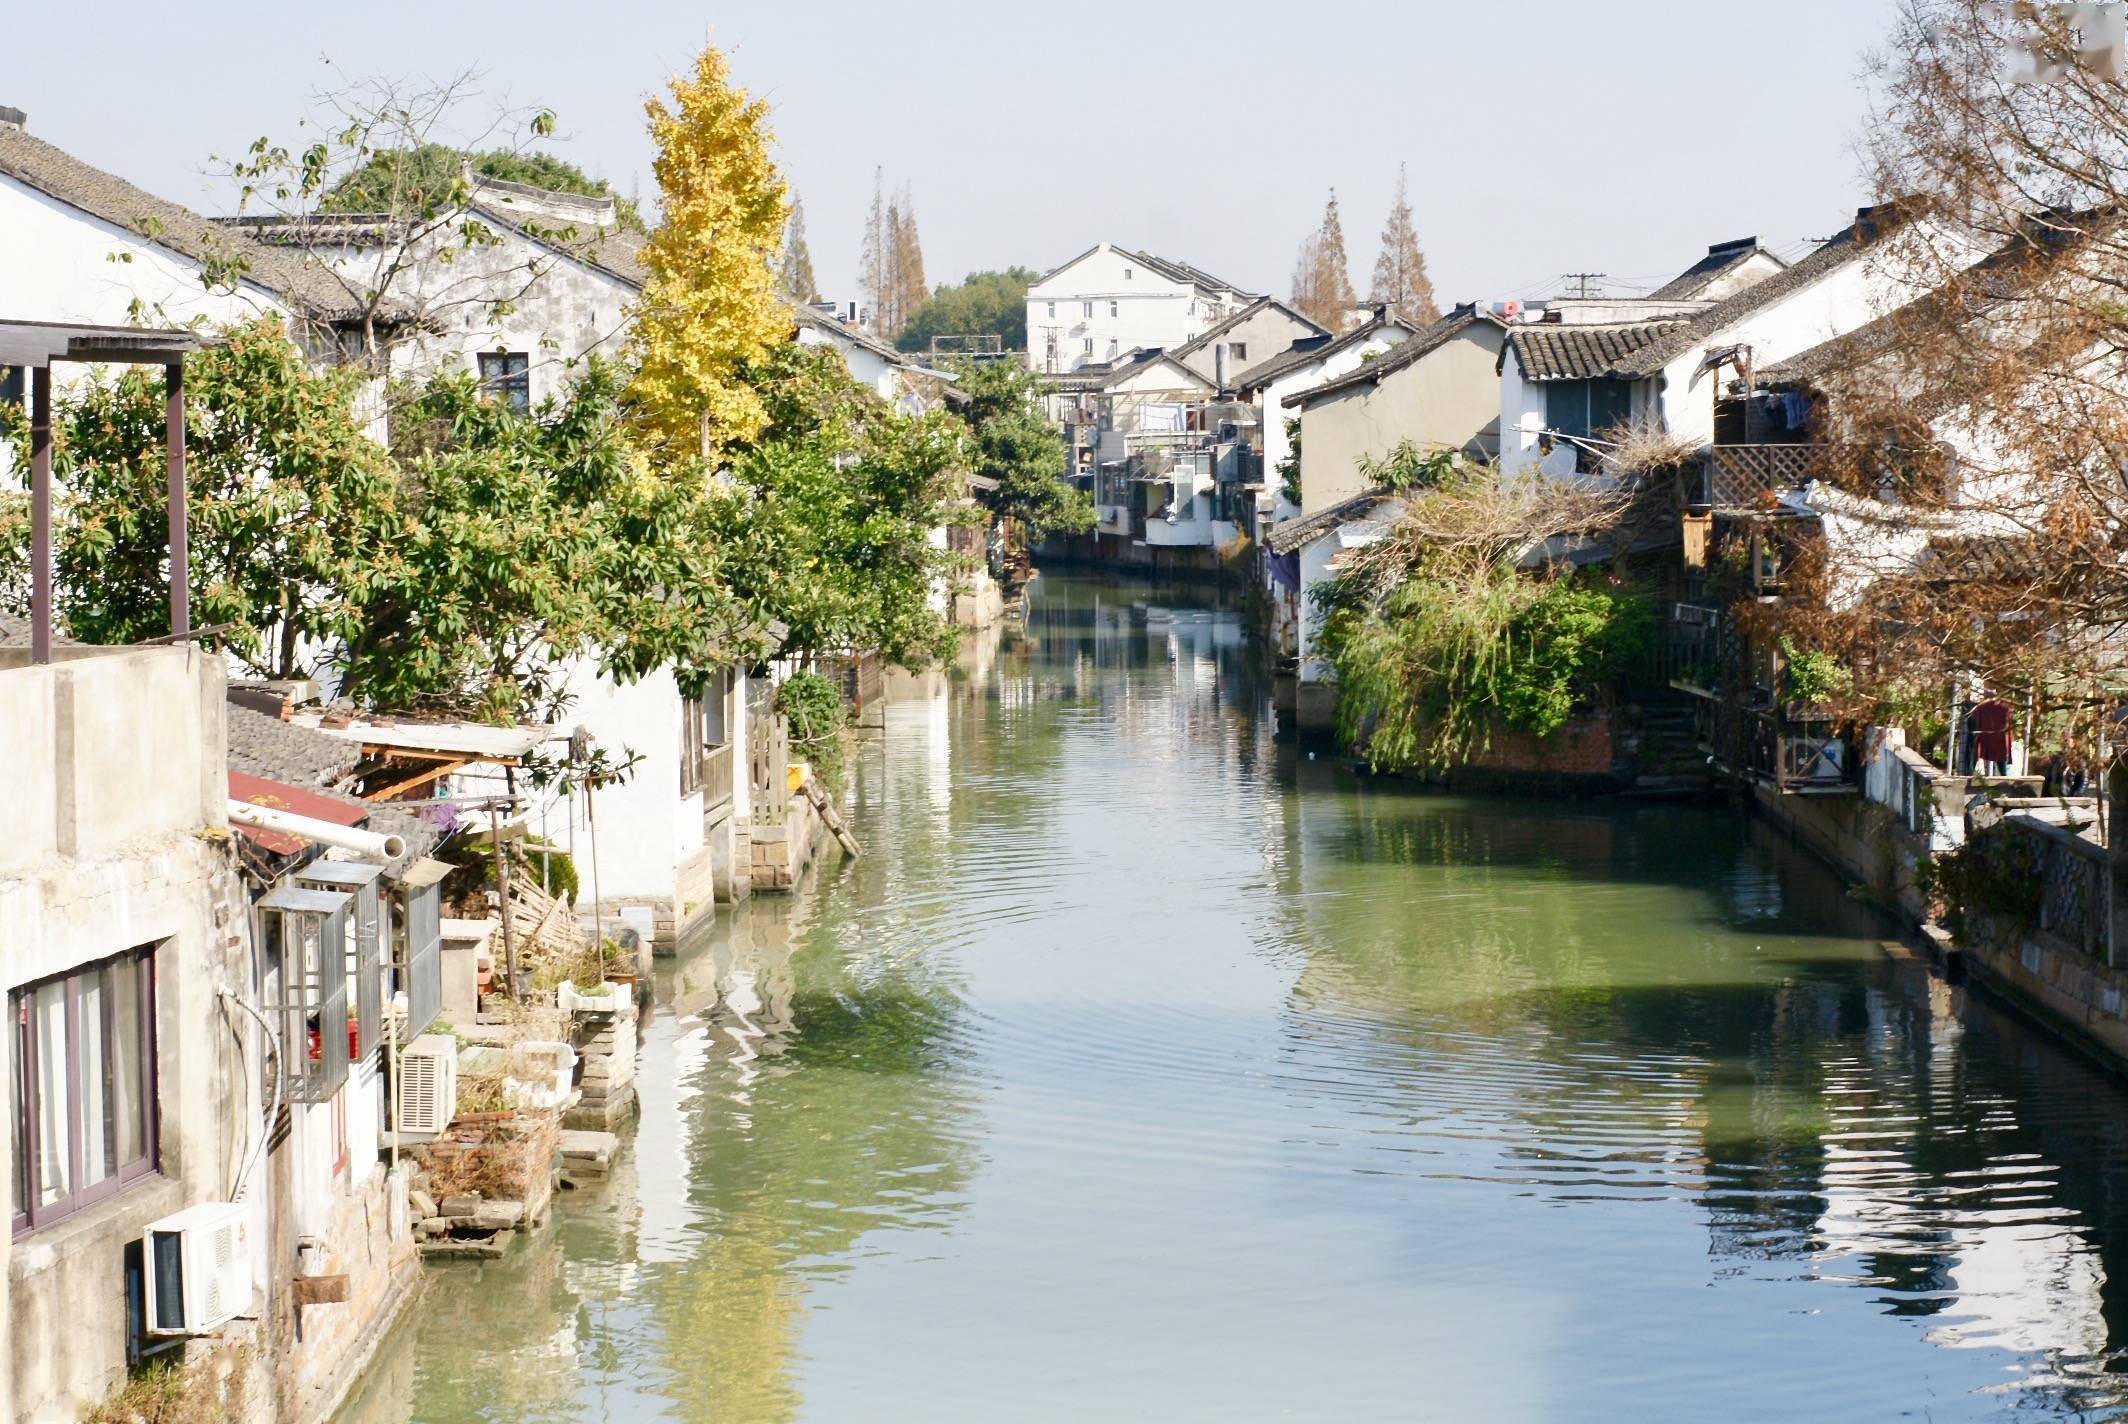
[502,380]
[33,1216]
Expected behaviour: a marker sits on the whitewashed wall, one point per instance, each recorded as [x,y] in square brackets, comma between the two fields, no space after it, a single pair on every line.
[58,263]
[1115,302]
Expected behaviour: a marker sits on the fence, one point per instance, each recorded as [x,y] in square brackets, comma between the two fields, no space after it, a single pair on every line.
[1750,476]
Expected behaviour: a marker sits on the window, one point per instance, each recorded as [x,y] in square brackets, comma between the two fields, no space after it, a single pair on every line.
[1128,274]
[1238,350]
[1052,309]
[84,1086]
[1089,308]
[1585,408]
[301,972]
[1089,346]
[1115,309]
[507,376]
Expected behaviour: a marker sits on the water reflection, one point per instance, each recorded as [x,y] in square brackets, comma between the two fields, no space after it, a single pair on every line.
[1145,1067]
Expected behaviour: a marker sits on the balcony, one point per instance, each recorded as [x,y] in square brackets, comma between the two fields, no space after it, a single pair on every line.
[1754,476]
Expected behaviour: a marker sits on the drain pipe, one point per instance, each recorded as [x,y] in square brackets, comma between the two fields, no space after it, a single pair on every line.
[270,818]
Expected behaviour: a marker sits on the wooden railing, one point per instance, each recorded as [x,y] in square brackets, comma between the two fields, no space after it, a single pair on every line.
[716,776]
[1751,476]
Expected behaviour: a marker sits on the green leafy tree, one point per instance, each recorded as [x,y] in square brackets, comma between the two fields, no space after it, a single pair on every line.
[283,489]
[982,303]
[825,521]
[1016,445]
[521,539]
[432,174]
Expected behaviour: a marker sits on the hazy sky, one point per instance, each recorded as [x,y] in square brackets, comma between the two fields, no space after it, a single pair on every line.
[1541,137]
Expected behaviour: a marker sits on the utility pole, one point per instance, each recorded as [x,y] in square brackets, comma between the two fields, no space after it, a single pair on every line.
[1585,283]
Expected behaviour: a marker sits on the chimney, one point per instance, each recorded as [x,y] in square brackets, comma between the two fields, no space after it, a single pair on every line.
[1219,365]
[14,119]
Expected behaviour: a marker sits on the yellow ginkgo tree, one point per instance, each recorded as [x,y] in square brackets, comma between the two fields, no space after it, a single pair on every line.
[710,305]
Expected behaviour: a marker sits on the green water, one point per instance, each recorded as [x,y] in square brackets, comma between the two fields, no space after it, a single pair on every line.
[1144,1069]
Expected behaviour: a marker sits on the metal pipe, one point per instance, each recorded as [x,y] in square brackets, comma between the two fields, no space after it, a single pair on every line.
[180,541]
[251,1159]
[41,514]
[269,818]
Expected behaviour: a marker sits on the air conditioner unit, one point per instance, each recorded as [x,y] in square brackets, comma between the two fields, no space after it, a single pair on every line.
[428,1084]
[198,1269]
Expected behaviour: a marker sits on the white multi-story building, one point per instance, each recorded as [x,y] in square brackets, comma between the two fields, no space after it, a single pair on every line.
[1110,301]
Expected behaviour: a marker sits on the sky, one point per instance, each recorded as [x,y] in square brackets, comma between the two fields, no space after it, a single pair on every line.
[1540,138]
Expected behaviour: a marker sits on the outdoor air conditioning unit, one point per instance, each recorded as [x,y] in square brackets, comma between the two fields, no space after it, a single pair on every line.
[428,1084]
[198,1269]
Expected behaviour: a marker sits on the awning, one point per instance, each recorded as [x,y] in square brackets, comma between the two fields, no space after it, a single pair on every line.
[471,741]
[282,797]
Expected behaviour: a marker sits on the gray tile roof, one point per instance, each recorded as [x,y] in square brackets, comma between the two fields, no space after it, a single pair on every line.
[835,326]
[1218,329]
[280,751]
[1405,353]
[1848,245]
[1702,274]
[1984,289]
[58,174]
[15,632]
[1297,534]
[1301,353]
[1574,352]
[1173,271]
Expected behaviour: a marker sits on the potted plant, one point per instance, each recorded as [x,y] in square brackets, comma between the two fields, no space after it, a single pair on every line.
[593,986]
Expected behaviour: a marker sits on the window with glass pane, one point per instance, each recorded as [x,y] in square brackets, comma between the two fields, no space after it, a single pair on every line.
[507,376]
[1585,408]
[83,1059]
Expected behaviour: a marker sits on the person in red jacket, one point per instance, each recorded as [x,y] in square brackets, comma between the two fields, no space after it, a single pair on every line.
[1990,721]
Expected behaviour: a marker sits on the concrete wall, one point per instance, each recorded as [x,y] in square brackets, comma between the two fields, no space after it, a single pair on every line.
[1276,447]
[1448,398]
[1263,335]
[115,842]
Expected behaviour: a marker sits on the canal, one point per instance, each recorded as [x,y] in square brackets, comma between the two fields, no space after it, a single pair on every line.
[1146,1069]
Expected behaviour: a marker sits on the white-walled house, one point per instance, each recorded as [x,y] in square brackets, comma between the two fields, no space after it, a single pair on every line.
[1566,380]
[1223,351]
[1110,301]
[873,363]
[1303,366]
[551,279]
[83,245]
[1438,389]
